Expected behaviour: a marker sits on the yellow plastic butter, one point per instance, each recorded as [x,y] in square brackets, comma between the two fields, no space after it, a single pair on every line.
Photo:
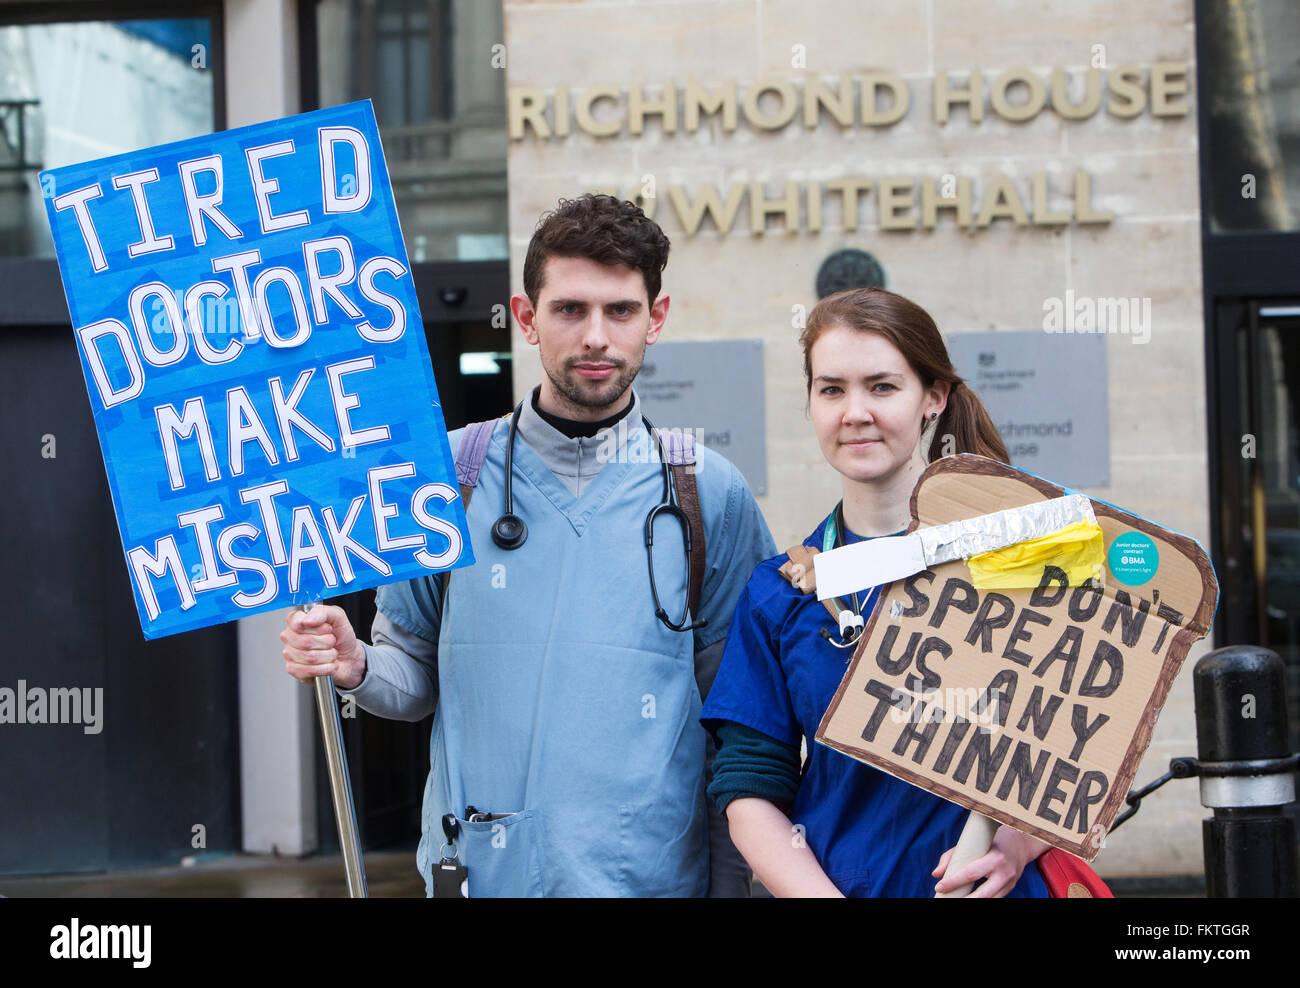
[1078,549]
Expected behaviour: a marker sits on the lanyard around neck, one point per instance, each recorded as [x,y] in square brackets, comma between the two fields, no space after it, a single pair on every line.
[834,525]
[832,538]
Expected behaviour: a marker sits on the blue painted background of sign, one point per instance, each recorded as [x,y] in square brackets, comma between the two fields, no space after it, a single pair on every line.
[408,519]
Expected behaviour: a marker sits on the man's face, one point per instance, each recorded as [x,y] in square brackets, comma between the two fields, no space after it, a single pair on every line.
[591,325]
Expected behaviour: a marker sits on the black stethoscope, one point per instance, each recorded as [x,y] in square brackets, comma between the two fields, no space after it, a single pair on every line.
[850,618]
[509,531]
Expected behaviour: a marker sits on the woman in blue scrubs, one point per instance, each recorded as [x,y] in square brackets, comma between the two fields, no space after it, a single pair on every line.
[880,385]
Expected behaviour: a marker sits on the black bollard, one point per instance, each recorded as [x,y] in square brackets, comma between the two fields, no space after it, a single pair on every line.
[1247,773]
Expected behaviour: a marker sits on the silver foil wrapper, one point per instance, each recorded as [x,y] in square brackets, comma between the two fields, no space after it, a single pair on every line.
[962,539]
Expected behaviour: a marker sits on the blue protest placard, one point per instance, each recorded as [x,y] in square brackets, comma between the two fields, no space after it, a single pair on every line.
[257,368]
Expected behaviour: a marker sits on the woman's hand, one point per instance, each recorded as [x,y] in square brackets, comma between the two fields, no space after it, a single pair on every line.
[1002,867]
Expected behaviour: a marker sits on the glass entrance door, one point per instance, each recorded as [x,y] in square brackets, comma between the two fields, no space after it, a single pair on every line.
[1260,462]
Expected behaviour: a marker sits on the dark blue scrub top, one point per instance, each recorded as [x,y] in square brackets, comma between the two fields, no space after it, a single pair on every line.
[873,834]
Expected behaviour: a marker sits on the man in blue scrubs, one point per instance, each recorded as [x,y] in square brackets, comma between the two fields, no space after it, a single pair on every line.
[567,757]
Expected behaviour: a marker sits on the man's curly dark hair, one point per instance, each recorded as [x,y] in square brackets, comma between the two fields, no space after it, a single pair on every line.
[600,228]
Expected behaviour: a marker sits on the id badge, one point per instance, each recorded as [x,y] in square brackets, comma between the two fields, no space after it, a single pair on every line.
[450,880]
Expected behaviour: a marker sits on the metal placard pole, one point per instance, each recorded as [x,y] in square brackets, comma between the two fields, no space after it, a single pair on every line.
[345,815]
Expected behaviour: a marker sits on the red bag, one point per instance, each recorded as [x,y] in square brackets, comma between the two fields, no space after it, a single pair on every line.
[1068,877]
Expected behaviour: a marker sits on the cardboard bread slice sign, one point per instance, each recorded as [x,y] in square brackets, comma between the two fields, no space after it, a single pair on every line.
[1032,706]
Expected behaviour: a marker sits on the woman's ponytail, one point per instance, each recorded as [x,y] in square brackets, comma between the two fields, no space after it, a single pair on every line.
[966,427]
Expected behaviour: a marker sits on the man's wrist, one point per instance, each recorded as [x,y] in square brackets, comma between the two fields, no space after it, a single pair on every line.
[356,666]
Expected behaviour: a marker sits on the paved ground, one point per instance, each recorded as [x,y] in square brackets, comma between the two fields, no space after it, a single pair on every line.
[389,875]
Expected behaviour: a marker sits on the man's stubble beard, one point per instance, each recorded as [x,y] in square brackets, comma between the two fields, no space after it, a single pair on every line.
[611,391]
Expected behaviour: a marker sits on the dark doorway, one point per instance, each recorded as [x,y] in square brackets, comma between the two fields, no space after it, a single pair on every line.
[155,777]
[1250,239]
[1258,346]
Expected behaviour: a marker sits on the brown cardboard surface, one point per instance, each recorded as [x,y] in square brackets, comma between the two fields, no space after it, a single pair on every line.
[1013,728]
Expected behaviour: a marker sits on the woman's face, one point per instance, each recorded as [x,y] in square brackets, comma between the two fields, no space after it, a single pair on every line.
[867,404]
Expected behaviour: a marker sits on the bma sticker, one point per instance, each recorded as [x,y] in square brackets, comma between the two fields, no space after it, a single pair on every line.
[1133,559]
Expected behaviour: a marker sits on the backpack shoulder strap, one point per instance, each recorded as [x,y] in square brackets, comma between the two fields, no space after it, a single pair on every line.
[470,455]
[679,447]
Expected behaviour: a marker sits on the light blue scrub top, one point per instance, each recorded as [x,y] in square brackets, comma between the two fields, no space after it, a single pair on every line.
[563,701]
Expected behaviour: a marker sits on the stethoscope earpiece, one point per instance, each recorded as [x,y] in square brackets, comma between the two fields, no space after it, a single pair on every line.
[509,532]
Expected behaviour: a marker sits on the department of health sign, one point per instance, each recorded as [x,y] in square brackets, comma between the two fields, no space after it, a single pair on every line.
[257,369]
[713,389]
[1047,395]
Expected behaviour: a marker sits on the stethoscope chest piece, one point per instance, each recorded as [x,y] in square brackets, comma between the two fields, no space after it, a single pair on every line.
[509,532]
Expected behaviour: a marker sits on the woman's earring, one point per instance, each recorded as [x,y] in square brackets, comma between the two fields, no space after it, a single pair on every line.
[933,416]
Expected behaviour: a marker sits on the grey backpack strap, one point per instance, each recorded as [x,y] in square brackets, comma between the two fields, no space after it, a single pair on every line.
[679,447]
[470,455]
